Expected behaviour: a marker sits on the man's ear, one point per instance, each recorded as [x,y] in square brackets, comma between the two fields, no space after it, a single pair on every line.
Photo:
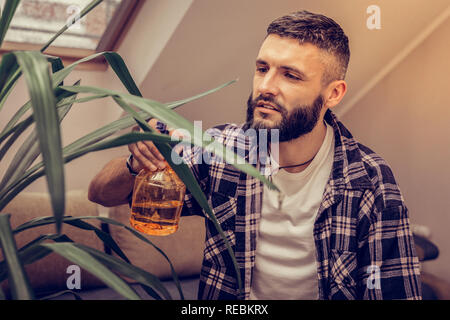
[334,93]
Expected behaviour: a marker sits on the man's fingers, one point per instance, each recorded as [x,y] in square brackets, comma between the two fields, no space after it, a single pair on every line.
[145,152]
[156,152]
[147,155]
[142,161]
[148,149]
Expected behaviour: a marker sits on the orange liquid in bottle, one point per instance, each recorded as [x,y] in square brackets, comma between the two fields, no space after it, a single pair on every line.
[157,202]
[156,218]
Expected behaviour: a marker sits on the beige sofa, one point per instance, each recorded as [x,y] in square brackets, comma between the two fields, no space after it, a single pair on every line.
[184,248]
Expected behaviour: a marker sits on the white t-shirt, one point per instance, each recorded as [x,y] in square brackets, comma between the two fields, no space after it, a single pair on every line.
[285,263]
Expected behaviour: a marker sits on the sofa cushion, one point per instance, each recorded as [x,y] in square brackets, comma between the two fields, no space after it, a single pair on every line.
[50,273]
[184,247]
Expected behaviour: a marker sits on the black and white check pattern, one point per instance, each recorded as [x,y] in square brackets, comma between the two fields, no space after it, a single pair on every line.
[362,223]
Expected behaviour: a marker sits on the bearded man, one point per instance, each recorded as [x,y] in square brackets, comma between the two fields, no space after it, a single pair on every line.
[341,231]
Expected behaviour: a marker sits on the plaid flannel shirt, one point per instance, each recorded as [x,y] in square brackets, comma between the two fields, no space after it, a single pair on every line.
[364,245]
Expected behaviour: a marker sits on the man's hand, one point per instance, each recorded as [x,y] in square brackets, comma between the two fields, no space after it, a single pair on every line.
[145,154]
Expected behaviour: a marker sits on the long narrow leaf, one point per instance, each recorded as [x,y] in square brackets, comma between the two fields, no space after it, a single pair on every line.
[18,279]
[179,103]
[32,252]
[7,14]
[101,133]
[9,72]
[103,236]
[35,68]
[129,271]
[29,150]
[11,81]
[16,133]
[119,67]
[85,260]
[14,123]
[7,67]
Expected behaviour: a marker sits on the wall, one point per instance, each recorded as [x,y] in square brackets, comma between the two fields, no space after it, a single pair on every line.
[406,119]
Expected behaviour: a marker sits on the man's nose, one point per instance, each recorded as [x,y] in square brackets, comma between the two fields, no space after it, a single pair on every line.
[268,85]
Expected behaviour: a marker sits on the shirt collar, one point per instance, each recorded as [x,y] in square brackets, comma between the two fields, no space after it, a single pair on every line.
[348,170]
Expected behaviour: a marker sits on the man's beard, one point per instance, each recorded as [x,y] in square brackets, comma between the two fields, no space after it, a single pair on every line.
[299,122]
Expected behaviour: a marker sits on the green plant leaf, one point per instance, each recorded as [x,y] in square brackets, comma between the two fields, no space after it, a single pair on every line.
[13,74]
[103,236]
[12,126]
[81,257]
[35,68]
[130,271]
[29,150]
[7,67]
[119,67]
[179,103]
[16,132]
[7,14]
[9,72]
[18,279]
[57,65]
[32,252]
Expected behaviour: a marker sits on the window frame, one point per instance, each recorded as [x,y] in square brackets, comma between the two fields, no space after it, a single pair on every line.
[117,28]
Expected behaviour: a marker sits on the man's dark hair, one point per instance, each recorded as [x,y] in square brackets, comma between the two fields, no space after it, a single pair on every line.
[320,31]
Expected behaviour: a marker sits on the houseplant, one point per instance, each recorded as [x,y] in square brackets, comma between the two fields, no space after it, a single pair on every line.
[50,101]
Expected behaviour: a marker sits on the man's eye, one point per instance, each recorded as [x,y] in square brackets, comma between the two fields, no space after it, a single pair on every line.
[291,76]
[261,69]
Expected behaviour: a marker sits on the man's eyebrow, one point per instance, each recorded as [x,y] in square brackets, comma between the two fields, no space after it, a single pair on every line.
[261,61]
[295,70]
[288,68]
